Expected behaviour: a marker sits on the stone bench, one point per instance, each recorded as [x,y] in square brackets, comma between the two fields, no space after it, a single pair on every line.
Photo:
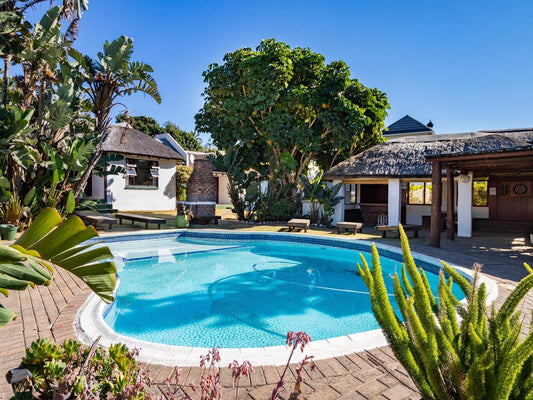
[299,223]
[407,228]
[346,225]
[141,218]
[205,219]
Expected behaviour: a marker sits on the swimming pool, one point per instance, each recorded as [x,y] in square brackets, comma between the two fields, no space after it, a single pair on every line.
[243,291]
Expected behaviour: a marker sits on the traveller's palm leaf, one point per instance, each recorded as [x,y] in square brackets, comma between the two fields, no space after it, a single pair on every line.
[47,242]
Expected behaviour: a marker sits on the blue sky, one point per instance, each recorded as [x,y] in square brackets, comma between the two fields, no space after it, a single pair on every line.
[466,65]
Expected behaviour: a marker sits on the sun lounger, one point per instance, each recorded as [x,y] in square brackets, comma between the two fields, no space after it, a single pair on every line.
[355,226]
[299,223]
[140,218]
[95,218]
[407,228]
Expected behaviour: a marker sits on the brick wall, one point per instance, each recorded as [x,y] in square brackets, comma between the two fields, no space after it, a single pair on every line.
[202,188]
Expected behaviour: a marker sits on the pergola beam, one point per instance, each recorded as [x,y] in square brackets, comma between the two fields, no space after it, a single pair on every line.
[450,205]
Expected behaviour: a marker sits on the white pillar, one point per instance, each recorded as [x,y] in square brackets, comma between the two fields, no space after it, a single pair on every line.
[395,202]
[339,208]
[464,205]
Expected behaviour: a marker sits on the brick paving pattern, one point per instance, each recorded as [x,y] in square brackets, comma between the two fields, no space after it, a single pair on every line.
[48,312]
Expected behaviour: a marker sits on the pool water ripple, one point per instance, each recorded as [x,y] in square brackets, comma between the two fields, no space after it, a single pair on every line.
[204,292]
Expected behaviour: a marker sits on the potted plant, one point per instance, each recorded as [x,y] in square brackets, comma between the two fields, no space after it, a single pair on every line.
[12,212]
[184,214]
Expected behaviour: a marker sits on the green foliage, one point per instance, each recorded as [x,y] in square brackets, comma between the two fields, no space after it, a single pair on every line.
[51,241]
[322,197]
[187,140]
[242,184]
[451,350]
[281,108]
[183,174]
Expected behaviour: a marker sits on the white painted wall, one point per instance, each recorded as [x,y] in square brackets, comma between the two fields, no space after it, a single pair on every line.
[480,212]
[98,192]
[395,202]
[339,208]
[223,195]
[161,199]
[464,207]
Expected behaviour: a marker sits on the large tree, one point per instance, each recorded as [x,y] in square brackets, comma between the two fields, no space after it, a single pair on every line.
[284,107]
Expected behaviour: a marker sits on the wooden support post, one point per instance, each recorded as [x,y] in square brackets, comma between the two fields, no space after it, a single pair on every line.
[436,204]
[450,205]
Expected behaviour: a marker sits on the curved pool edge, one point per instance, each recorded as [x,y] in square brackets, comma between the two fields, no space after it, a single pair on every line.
[89,324]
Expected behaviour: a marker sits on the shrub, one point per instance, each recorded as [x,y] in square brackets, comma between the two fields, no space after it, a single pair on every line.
[283,210]
[451,350]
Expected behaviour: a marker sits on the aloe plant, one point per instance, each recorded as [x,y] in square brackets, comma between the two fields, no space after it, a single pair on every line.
[50,241]
[452,350]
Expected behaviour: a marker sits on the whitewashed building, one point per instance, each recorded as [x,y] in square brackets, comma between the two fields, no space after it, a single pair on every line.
[147,181]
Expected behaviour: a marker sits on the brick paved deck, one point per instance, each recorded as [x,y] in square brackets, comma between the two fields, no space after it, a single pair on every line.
[49,312]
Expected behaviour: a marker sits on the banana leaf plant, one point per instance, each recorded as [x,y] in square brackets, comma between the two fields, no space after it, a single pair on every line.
[49,242]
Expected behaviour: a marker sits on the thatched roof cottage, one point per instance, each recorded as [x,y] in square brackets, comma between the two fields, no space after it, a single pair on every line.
[147,177]
[487,174]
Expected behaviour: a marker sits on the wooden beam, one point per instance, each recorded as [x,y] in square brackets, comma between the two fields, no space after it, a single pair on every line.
[450,205]
[436,204]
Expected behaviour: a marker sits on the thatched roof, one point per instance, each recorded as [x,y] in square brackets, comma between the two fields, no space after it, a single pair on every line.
[406,157]
[124,139]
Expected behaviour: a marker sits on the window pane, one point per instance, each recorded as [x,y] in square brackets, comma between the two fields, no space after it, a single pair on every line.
[428,193]
[143,173]
[347,193]
[353,197]
[416,192]
[479,195]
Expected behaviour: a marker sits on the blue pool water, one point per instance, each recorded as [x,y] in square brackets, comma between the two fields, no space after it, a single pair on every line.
[207,292]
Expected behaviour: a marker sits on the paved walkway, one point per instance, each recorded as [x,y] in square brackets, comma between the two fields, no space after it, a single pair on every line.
[49,312]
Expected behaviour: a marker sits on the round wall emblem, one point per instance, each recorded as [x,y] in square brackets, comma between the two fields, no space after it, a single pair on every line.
[519,188]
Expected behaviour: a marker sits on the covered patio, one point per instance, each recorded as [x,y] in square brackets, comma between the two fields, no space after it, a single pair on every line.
[509,173]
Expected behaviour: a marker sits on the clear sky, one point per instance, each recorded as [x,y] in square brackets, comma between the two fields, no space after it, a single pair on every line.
[466,65]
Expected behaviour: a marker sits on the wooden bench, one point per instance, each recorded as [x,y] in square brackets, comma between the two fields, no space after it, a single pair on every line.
[407,228]
[346,225]
[141,218]
[299,223]
[205,219]
[94,219]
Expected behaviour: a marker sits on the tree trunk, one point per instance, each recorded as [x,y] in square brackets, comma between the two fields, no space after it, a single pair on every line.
[5,77]
[101,123]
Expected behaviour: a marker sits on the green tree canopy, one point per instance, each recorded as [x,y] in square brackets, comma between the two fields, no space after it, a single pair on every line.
[187,140]
[284,107]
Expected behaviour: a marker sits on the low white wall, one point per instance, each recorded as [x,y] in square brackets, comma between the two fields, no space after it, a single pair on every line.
[161,199]
[480,212]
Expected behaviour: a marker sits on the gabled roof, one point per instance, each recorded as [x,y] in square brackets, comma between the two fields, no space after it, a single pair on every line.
[124,139]
[406,157]
[406,125]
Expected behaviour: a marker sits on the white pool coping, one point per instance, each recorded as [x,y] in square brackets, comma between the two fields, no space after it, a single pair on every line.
[89,324]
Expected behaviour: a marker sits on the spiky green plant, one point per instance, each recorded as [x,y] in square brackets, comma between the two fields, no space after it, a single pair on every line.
[453,350]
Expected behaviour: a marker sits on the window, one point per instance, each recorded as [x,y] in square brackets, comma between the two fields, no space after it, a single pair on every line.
[142,173]
[420,193]
[350,193]
[480,192]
